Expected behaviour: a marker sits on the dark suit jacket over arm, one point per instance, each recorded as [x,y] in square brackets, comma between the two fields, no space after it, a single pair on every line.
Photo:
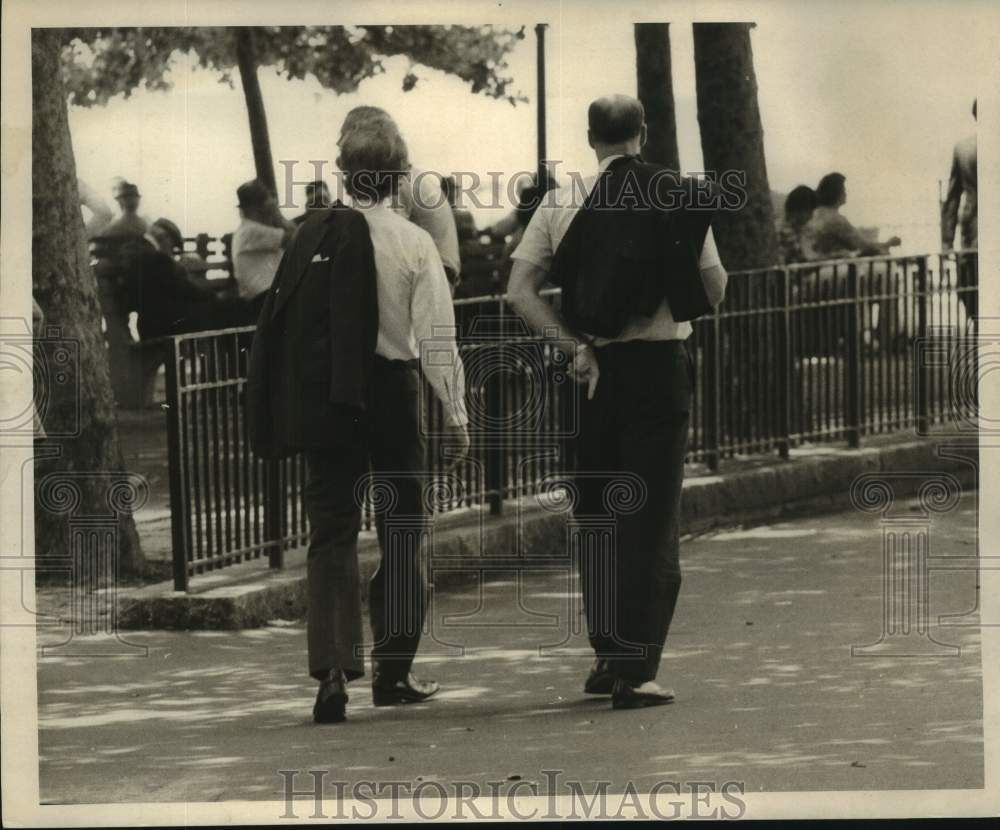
[312,354]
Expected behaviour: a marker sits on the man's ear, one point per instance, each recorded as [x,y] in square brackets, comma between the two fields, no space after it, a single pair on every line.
[643,134]
[590,138]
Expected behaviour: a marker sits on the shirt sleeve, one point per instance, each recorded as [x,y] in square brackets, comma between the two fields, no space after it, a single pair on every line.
[100,213]
[259,237]
[434,329]
[505,226]
[845,235]
[430,210]
[536,242]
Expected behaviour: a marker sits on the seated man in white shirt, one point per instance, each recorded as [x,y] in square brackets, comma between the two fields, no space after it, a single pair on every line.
[258,244]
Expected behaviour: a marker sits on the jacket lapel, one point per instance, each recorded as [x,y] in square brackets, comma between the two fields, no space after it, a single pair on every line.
[307,240]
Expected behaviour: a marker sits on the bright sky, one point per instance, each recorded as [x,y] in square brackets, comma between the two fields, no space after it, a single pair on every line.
[854,93]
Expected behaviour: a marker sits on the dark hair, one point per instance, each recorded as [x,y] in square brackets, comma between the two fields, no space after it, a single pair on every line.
[802,199]
[616,120]
[313,191]
[253,193]
[373,160]
[176,237]
[830,189]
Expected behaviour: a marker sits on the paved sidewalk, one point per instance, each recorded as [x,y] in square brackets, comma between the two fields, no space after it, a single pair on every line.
[768,692]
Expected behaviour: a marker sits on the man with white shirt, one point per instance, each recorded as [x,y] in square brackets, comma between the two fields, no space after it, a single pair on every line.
[419,194]
[257,247]
[334,372]
[128,224]
[635,257]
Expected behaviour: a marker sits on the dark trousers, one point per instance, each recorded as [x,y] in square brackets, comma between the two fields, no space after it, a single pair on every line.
[630,466]
[390,444]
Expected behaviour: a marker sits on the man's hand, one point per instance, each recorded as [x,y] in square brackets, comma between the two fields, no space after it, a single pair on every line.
[585,369]
[454,444]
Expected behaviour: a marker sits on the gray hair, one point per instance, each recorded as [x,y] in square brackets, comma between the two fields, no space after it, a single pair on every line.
[372,157]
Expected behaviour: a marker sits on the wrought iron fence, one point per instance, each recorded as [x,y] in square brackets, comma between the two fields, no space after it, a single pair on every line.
[795,355]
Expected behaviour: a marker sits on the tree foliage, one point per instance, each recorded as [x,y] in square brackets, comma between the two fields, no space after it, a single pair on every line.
[99,64]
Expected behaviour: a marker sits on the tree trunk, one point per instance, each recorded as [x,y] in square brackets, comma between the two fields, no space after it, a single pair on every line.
[80,476]
[656,92]
[246,60]
[732,139]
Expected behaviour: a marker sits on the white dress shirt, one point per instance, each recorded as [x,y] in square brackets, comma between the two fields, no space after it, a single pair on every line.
[416,316]
[548,227]
[257,250]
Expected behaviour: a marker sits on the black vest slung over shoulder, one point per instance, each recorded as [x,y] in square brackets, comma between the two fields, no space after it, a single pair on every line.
[636,241]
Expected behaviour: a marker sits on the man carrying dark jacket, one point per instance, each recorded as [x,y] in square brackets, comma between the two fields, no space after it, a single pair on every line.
[636,260]
[333,374]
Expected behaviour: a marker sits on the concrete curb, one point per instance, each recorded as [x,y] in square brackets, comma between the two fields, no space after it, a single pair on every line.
[248,596]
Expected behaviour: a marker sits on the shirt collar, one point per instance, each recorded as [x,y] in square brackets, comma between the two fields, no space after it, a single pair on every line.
[382,204]
[607,160]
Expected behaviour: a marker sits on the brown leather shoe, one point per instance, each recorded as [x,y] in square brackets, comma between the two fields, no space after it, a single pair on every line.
[410,689]
[600,681]
[331,699]
[630,696]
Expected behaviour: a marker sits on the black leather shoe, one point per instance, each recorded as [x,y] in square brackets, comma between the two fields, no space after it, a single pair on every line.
[600,681]
[628,696]
[331,700]
[411,689]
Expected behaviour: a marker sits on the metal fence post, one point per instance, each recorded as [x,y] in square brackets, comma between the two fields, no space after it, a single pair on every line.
[921,375]
[176,471]
[495,456]
[713,361]
[786,367]
[201,245]
[852,384]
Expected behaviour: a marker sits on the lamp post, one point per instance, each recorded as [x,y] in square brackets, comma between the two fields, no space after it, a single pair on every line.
[540,37]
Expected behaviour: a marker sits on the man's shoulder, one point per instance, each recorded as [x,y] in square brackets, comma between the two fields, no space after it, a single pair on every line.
[251,231]
[404,228]
[670,178]
[247,228]
[329,224]
[567,197]
[428,182]
[337,214]
[824,216]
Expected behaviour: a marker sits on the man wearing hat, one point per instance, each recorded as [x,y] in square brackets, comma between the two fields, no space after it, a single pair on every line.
[129,224]
[258,244]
